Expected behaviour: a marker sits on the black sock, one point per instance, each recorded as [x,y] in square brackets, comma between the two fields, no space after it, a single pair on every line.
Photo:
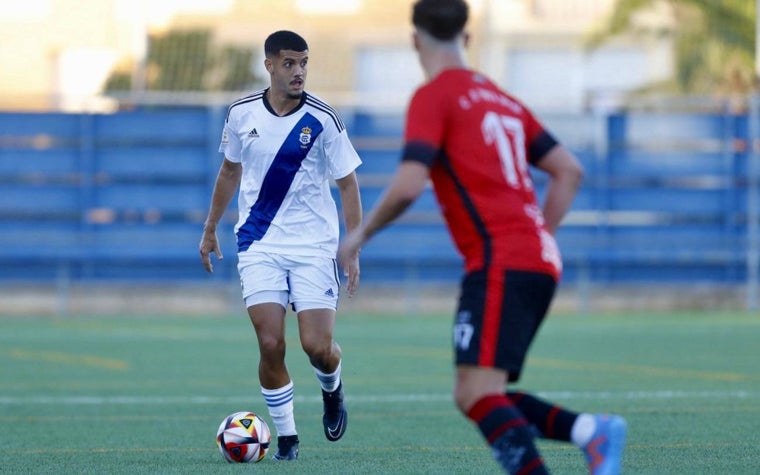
[551,421]
[508,434]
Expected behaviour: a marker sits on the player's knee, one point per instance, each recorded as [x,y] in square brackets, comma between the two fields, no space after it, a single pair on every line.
[320,352]
[271,346]
[462,399]
[316,349]
[466,395]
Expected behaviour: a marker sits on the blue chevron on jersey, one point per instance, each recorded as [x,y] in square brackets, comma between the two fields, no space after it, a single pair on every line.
[285,203]
[278,179]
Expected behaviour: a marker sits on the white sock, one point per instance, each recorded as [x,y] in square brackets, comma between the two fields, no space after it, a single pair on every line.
[583,429]
[280,405]
[329,382]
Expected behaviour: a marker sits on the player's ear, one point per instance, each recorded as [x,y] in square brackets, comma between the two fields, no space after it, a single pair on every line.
[268,65]
[466,39]
[416,40]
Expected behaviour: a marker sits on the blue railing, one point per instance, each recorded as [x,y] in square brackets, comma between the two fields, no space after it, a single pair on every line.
[123,196]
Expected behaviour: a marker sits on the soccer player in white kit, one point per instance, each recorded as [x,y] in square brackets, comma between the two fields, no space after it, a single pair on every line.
[281,147]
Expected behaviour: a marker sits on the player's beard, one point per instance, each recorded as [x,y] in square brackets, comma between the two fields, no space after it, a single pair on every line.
[296,89]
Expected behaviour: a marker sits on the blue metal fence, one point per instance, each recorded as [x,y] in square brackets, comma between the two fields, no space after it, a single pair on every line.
[124,196]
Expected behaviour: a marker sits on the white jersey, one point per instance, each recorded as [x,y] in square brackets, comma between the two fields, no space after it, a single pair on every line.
[285,205]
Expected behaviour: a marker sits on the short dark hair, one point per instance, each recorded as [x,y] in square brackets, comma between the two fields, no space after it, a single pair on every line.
[443,19]
[283,39]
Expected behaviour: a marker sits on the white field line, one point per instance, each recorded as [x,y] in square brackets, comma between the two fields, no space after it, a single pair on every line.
[379,399]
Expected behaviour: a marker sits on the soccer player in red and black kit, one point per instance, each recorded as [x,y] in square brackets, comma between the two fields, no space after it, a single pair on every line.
[475,143]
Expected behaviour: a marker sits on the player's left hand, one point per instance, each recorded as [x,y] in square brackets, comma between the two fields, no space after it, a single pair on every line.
[351,270]
[348,258]
[209,244]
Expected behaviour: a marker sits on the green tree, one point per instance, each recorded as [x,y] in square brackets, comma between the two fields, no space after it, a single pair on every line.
[235,63]
[178,60]
[713,41]
[188,60]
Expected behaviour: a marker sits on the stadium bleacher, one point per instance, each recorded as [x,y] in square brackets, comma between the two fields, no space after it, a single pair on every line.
[124,196]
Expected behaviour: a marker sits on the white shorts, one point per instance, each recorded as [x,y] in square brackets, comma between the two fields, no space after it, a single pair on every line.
[306,282]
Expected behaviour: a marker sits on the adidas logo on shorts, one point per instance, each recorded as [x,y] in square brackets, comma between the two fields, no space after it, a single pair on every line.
[329,293]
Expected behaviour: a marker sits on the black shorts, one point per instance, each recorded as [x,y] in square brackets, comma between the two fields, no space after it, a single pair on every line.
[499,314]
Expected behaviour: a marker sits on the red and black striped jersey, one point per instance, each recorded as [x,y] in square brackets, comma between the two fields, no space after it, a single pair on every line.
[479,142]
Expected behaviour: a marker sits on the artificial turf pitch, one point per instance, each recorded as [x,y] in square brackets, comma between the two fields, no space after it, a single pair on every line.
[145,395]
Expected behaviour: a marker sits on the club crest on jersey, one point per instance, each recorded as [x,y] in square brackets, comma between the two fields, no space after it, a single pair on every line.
[305,136]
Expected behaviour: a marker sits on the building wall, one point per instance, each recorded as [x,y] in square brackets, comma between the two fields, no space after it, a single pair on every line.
[60,52]
[43,46]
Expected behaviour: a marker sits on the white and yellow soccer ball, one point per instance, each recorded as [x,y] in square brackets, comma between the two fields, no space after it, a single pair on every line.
[243,437]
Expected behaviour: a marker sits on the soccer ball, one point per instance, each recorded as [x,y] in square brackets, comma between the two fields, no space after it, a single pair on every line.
[243,437]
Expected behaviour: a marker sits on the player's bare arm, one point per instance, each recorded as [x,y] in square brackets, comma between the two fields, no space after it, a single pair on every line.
[351,203]
[566,174]
[226,185]
[407,184]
